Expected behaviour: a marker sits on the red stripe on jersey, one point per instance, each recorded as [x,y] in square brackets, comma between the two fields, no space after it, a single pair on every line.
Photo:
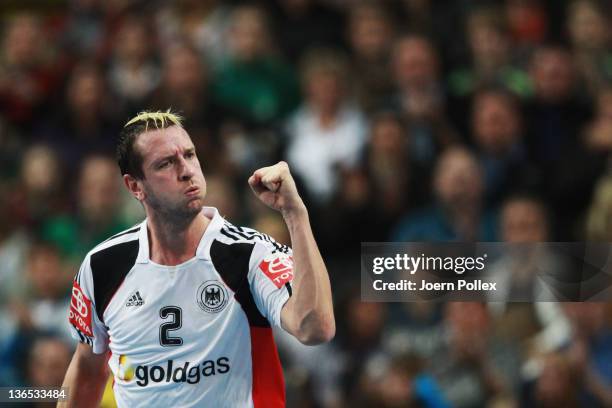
[268,381]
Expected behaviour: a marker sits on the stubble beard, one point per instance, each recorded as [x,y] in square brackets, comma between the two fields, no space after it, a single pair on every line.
[178,214]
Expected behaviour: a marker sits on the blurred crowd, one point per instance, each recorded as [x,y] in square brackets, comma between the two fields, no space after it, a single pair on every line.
[402,120]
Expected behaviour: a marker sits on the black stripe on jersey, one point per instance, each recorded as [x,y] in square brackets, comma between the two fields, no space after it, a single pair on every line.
[288,286]
[232,263]
[227,234]
[229,229]
[240,232]
[109,267]
[130,231]
[84,338]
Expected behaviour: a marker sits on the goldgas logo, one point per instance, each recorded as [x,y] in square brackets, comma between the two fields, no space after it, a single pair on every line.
[173,371]
[278,268]
[212,297]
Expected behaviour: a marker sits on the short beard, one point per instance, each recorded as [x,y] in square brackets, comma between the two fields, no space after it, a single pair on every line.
[178,217]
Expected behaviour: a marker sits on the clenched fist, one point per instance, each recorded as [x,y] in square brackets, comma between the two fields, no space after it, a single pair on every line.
[275,187]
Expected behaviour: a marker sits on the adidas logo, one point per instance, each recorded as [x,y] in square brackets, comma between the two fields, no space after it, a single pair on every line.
[135,300]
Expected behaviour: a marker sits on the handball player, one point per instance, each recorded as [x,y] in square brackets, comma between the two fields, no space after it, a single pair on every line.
[180,307]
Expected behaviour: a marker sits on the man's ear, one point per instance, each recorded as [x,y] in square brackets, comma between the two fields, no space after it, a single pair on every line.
[134,186]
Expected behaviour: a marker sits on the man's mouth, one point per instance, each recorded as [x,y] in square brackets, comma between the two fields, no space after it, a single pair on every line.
[192,191]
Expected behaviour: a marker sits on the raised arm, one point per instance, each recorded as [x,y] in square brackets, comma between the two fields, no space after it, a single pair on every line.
[308,314]
[85,379]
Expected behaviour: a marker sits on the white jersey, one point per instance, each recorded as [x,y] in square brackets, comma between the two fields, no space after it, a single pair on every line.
[192,335]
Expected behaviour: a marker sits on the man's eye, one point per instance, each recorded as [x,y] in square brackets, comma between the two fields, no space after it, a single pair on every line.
[190,155]
[163,164]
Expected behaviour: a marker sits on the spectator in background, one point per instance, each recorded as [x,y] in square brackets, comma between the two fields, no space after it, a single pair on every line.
[497,135]
[419,96]
[39,193]
[36,196]
[474,367]
[401,382]
[385,185]
[84,28]
[327,133]
[458,213]
[528,22]
[524,218]
[588,25]
[580,375]
[556,111]
[554,117]
[415,328]
[304,24]
[85,122]
[359,341]
[440,21]
[205,24]
[37,301]
[393,177]
[185,87]
[98,198]
[253,82]
[28,70]
[524,274]
[370,33]
[590,351]
[184,82]
[133,73]
[44,297]
[47,362]
[492,62]
[557,385]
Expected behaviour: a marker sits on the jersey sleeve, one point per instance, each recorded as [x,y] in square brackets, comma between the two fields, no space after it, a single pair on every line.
[84,323]
[270,278]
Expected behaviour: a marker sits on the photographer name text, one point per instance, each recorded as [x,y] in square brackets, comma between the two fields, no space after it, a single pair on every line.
[409,285]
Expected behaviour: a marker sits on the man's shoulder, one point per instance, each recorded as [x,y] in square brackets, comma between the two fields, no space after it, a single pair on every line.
[237,248]
[108,264]
[127,235]
[117,242]
[233,234]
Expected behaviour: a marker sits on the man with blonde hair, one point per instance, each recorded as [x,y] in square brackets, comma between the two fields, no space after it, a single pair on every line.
[184,301]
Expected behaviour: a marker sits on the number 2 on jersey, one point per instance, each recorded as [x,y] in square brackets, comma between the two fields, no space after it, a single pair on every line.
[175,314]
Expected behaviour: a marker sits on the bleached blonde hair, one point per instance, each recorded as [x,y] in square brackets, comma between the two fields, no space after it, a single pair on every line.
[160,119]
[128,158]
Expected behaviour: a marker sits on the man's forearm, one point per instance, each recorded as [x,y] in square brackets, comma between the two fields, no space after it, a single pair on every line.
[308,314]
[311,300]
[85,386]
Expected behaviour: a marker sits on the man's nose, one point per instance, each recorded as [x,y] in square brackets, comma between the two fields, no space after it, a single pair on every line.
[185,170]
